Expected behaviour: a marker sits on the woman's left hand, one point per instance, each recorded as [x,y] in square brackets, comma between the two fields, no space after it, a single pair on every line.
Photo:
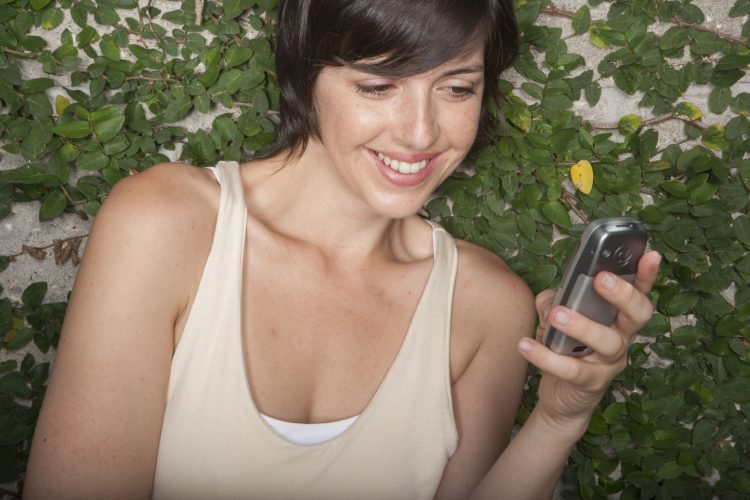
[571,387]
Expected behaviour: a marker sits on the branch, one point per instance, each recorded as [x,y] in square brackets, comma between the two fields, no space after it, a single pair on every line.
[21,54]
[572,203]
[655,121]
[557,12]
[554,11]
[63,249]
[699,27]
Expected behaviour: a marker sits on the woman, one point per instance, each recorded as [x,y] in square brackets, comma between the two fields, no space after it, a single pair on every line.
[289,328]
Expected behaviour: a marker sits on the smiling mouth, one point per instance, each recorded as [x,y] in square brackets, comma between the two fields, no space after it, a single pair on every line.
[402,166]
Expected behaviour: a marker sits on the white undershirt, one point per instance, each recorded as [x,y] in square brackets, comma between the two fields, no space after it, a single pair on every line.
[309,433]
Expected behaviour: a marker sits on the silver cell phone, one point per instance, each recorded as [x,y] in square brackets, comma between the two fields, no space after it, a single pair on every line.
[615,245]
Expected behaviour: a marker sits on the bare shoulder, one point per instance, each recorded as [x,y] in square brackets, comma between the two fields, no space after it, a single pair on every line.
[492,309]
[161,222]
[99,426]
[166,192]
[488,291]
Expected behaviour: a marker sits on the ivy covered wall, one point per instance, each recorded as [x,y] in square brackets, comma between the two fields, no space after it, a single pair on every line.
[646,100]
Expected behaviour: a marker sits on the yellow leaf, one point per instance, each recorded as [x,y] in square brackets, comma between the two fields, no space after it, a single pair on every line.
[47,25]
[60,104]
[583,176]
[689,109]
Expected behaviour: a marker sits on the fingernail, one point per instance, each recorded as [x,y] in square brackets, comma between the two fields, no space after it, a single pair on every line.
[609,281]
[562,317]
[524,345]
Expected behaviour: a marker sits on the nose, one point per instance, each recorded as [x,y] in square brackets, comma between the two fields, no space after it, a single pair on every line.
[417,125]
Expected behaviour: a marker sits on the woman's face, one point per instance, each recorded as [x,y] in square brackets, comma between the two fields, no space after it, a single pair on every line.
[394,140]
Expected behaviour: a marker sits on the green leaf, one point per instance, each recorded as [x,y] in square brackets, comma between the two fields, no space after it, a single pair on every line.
[733,61]
[688,109]
[39,4]
[745,173]
[705,44]
[227,128]
[670,470]
[629,124]
[14,384]
[230,81]
[581,20]
[592,93]
[106,123]
[92,161]
[714,138]
[232,8]
[177,109]
[73,130]
[109,48]
[741,227]
[718,100]
[51,18]
[36,85]
[673,38]
[542,276]
[237,55]
[556,213]
[54,204]
[28,174]
[627,78]
[34,294]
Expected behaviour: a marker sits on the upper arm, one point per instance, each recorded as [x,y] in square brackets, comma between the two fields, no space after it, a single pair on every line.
[98,430]
[493,309]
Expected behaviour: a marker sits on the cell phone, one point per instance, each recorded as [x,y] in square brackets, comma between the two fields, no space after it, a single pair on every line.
[615,245]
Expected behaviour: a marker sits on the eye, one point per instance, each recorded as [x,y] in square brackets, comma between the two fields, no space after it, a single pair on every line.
[460,93]
[374,90]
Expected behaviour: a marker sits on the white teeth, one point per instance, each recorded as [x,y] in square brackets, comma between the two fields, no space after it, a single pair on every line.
[402,166]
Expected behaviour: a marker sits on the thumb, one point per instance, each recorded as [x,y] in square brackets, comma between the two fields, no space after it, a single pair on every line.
[543,304]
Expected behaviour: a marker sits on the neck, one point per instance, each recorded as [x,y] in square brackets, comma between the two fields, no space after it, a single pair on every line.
[307,200]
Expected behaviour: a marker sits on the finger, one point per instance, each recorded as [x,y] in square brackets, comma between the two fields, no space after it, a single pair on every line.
[648,269]
[543,303]
[567,368]
[634,309]
[607,343]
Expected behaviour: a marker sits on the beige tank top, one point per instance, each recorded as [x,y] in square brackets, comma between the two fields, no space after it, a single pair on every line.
[214,443]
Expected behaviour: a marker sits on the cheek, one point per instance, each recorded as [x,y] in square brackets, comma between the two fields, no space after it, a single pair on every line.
[344,121]
[462,127]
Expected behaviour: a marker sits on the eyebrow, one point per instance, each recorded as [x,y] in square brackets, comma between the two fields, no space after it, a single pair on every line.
[477,68]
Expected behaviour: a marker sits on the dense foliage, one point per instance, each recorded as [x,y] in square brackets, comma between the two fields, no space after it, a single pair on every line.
[123,85]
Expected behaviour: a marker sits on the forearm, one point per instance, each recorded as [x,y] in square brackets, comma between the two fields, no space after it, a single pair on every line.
[530,467]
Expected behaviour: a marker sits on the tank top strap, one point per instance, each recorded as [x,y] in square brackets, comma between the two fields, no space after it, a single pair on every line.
[442,280]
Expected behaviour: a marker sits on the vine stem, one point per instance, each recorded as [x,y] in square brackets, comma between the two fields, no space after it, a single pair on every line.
[572,203]
[21,54]
[699,27]
[655,121]
[26,248]
[151,79]
[552,10]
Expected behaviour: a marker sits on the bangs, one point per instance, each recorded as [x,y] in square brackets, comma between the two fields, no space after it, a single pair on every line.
[400,38]
[390,38]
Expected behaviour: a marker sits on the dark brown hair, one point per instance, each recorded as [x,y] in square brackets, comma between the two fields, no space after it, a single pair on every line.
[404,37]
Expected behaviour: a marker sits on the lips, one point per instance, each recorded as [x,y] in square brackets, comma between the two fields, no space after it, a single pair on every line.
[404,169]
[402,166]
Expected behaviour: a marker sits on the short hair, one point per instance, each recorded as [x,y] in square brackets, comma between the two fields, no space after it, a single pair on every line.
[393,38]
